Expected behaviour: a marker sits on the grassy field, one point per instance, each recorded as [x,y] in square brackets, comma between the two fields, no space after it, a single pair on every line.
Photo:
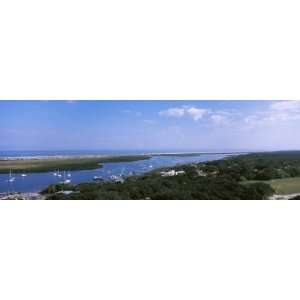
[286,185]
[283,186]
[70,163]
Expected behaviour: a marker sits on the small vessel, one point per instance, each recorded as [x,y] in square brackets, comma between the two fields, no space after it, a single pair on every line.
[58,174]
[115,178]
[66,180]
[23,175]
[54,173]
[69,174]
[11,178]
[97,178]
[150,166]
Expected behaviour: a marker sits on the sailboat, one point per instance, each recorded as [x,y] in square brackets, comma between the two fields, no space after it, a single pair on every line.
[23,175]
[66,180]
[122,172]
[58,174]
[11,178]
[69,174]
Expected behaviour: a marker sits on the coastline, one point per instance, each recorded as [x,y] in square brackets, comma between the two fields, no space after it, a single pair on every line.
[113,156]
[44,172]
[51,163]
[209,171]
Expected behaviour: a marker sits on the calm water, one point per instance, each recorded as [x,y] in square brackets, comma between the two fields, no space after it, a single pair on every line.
[35,182]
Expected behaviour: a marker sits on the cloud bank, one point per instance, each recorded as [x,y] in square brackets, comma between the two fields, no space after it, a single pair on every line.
[279,111]
[189,111]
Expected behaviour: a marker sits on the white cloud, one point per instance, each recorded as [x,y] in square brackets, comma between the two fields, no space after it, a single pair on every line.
[195,113]
[279,111]
[284,111]
[178,112]
[287,106]
[219,119]
[276,111]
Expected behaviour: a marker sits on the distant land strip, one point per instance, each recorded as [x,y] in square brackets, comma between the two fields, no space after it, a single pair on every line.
[38,164]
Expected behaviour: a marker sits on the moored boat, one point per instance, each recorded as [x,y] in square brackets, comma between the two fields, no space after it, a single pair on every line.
[11,178]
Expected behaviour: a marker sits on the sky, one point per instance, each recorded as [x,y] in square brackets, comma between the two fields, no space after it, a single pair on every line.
[149,125]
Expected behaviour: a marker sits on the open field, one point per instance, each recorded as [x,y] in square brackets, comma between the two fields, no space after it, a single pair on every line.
[286,185]
[62,163]
[283,186]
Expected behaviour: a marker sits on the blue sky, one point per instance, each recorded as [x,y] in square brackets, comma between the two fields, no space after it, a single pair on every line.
[149,125]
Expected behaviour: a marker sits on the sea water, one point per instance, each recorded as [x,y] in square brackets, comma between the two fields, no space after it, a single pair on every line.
[35,182]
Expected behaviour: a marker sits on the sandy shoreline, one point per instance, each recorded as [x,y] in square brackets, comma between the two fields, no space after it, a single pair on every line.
[283,197]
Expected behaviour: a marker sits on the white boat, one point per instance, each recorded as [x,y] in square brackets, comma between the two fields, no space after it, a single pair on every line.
[97,178]
[11,178]
[58,174]
[69,175]
[66,180]
[23,175]
[117,178]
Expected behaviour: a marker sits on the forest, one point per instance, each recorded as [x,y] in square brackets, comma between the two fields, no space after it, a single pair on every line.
[221,179]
